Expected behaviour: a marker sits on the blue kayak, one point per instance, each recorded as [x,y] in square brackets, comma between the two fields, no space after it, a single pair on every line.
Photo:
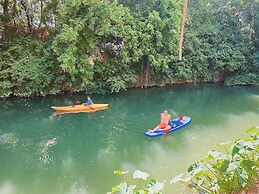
[176,124]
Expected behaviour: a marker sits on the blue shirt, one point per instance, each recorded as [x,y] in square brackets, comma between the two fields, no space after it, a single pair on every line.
[89,102]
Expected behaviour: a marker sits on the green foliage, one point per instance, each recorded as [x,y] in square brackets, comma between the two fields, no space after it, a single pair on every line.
[151,186]
[243,79]
[112,77]
[235,170]
[218,40]
[154,37]
[255,59]
[89,25]
[53,46]
[24,70]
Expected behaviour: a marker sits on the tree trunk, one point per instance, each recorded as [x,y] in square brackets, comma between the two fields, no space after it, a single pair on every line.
[27,13]
[41,14]
[5,7]
[182,29]
[5,4]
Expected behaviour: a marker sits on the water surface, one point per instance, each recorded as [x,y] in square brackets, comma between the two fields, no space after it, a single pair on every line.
[77,153]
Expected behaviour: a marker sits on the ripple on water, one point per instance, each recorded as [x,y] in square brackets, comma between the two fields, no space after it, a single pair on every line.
[79,189]
[8,139]
[44,150]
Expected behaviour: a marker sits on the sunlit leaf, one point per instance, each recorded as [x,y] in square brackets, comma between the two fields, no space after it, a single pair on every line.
[114,189]
[231,167]
[224,143]
[119,172]
[176,179]
[124,189]
[140,174]
[252,129]
[215,154]
[194,166]
[156,188]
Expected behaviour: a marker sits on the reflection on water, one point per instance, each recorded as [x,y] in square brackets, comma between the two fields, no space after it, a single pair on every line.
[7,188]
[77,153]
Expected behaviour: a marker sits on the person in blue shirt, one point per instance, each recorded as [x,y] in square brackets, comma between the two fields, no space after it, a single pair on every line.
[89,101]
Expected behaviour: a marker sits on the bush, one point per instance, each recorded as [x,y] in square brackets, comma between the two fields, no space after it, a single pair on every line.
[243,79]
[234,170]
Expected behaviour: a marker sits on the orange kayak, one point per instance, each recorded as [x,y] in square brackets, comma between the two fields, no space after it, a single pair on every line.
[80,107]
[79,111]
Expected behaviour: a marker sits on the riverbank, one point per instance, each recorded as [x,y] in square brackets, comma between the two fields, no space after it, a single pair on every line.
[137,85]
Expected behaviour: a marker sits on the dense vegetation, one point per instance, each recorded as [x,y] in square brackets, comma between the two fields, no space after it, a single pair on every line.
[53,46]
[234,170]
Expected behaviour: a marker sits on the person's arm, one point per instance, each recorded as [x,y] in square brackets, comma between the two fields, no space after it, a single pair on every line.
[170,119]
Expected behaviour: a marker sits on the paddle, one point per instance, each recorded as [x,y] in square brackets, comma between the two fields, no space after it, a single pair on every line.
[91,108]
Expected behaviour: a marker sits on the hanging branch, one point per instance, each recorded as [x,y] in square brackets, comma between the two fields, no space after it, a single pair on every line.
[182,30]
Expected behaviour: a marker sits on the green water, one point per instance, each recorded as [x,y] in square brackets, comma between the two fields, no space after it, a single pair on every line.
[77,153]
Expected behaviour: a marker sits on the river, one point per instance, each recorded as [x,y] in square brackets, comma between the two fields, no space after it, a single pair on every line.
[77,153]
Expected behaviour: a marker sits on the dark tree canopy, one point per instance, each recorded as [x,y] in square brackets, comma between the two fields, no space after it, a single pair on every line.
[54,46]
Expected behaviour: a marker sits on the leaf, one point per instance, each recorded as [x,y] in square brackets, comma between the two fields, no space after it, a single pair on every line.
[208,157]
[194,166]
[119,172]
[248,165]
[235,150]
[114,189]
[224,143]
[231,167]
[215,154]
[140,174]
[124,189]
[151,182]
[224,166]
[252,129]
[249,146]
[176,179]
[140,192]
[156,188]
[131,189]
[243,176]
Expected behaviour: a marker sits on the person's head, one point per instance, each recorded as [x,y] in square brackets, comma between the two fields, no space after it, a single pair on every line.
[165,111]
[88,98]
